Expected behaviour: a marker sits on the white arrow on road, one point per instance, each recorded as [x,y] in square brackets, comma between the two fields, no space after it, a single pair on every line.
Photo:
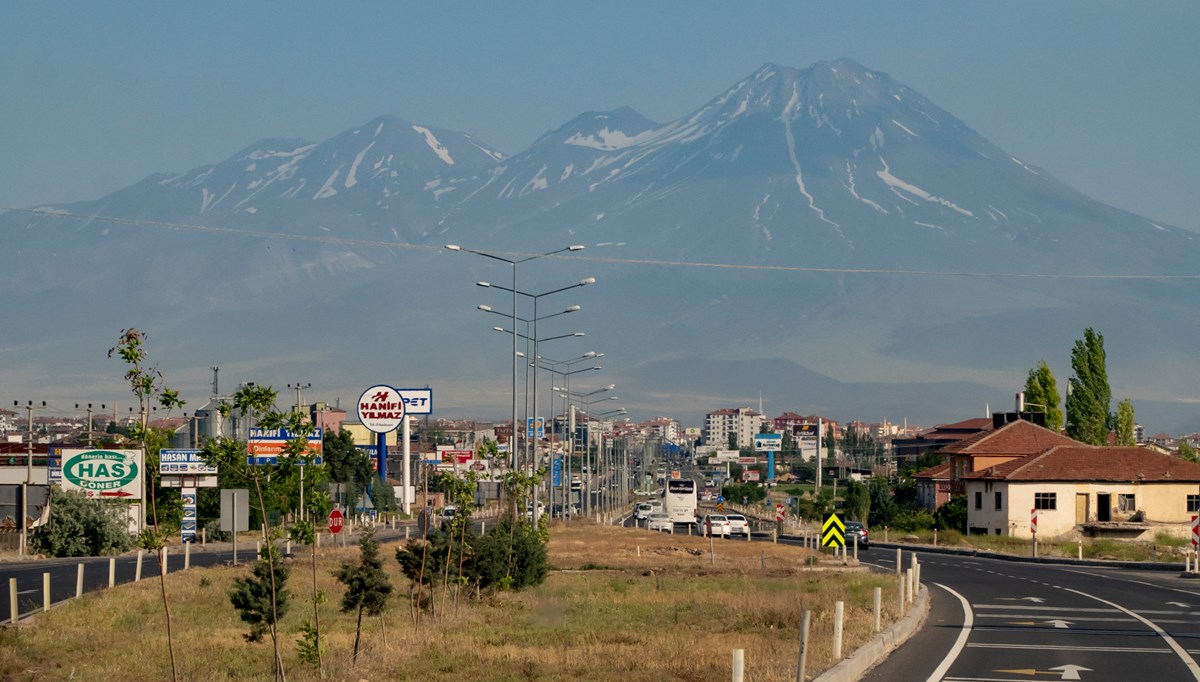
[1179,604]
[1071,672]
[1035,600]
[1059,624]
[1065,672]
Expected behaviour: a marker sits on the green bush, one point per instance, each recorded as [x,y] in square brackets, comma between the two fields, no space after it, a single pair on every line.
[80,526]
[953,514]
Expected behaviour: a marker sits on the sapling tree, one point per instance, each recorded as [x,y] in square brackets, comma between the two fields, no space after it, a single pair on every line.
[149,388]
[367,585]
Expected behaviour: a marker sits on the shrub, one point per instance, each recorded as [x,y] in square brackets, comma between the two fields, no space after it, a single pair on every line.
[80,526]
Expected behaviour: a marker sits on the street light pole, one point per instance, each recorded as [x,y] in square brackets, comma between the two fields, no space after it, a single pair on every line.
[514,263]
[299,388]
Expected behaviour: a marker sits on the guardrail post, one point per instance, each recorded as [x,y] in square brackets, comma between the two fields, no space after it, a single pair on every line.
[908,587]
[877,605]
[899,596]
[855,548]
[12,599]
[935,537]
[137,574]
[739,665]
[187,555]
[839,615]
[46,591]
[162,560]
[257,549]
[1080,544]
[802,657]
[79,581]
[112,571]
[899,563]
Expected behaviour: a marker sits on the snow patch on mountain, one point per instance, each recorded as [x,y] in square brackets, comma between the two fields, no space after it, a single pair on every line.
[895,182]
[791,149]
[608,140]
[854,191]
[433,143]
[351,180]
[327,189]
[1022,165]
[904,128]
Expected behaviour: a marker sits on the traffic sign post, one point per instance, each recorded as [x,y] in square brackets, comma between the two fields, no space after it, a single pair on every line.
[1195,531]
[833,532]
[780,512]
[335,521]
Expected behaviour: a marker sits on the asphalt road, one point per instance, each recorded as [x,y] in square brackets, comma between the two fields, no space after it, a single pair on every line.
[64,572]
[994,620]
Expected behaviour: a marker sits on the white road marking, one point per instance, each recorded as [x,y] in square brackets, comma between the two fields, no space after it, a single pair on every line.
[960,643]
[1183,655]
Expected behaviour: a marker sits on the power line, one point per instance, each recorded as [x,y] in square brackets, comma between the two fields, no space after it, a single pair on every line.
[653,262]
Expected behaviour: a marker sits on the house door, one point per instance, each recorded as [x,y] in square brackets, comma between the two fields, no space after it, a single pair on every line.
[1103,507]
[1081,508]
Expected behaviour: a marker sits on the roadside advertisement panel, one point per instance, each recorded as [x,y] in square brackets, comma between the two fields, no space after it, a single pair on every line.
[102,474]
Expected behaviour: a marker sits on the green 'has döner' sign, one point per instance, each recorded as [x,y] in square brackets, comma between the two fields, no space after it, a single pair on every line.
[99,471]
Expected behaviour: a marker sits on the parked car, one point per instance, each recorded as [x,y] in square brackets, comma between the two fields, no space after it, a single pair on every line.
[714,524]
[641,511]
[854,528]
[660,521]
[738,524]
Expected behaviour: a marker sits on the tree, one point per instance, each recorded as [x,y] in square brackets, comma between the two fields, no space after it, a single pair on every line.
[1041,391]
[270,481]
[883,504]
[81,526]
[1186,451]
[856,501]
[1090,396]
[953,514]
[147,385]
[345,463]
[367,586]
[261,598]
[1124,423]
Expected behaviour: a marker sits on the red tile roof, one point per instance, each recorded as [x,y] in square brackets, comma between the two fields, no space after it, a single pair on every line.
[1093,463]
[1015,438]
[938,471]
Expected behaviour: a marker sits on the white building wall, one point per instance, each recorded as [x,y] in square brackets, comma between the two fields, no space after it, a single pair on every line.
[1160,503]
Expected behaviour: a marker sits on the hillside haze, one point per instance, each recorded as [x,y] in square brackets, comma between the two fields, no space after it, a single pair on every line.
[825,236]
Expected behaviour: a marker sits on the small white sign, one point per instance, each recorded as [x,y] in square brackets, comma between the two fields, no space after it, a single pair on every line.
[183,462]
[768,442]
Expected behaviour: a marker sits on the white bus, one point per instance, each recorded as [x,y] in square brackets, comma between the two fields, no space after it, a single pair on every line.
[679,500]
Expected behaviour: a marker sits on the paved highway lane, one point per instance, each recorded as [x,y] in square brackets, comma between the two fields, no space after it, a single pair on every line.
[993,620]
[64,572]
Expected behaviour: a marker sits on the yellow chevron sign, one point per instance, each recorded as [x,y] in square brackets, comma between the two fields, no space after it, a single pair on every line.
[833,532]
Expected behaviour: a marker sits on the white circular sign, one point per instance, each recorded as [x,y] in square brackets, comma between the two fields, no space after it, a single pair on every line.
[381,409]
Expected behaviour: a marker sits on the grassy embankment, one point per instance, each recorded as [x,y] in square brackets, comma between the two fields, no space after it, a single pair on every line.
[622,605]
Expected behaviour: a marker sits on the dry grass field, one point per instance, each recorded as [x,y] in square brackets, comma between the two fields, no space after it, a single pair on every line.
[621,604]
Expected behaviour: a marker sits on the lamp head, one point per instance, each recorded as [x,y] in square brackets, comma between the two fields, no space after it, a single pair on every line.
[483,284]
[586,281]
[575,247]
[485,308]
[573,309]
[454,247]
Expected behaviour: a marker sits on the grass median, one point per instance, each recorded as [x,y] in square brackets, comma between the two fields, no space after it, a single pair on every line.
[620,604]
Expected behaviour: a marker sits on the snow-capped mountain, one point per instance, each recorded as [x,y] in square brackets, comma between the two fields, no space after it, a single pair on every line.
[827,217]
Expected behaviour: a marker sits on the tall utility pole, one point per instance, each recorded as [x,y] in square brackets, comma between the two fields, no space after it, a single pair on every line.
[298,387]
[29,408]
[89,421]
[23,510]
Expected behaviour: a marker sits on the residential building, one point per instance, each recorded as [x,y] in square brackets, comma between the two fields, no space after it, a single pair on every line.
[1123,491]
[743,423]
[909,450]
[997,446]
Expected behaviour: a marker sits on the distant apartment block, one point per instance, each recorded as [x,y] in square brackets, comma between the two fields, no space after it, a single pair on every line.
[743,422]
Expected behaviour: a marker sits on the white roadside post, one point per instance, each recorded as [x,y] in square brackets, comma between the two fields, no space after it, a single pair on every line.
[79,581]
[839,615]
[46,591]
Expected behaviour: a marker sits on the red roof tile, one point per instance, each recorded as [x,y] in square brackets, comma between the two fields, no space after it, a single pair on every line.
[1093,463]
[938,471]
[1015,438]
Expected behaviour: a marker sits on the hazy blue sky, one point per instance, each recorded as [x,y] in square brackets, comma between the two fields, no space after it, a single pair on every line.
[97,95]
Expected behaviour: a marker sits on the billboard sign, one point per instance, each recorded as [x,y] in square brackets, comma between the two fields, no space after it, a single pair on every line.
[183,462]
[103,474]
[728,455]
[417,400]
[266,445]
[768,442]
[381,408]
[805,432]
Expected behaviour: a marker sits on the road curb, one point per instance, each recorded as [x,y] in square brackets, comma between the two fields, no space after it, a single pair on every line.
[1068,561]
[867,656]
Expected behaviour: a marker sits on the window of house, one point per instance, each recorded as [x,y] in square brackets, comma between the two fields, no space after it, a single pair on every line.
[1126,503]
[999,501]
[979,500]
[1193,503]
[1045,501]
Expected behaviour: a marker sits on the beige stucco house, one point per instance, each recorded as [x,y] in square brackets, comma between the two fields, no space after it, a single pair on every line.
[1114,491]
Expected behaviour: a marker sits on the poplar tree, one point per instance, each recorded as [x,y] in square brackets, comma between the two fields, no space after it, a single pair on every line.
[1041,390]
[1090,396]
[367,585]
[1125,423]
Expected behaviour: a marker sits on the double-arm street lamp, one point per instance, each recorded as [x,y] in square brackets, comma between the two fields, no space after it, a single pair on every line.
[514,262]
[586,399]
